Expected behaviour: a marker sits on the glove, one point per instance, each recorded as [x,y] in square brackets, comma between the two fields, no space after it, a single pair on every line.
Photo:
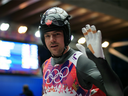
[81,48]
[93,39]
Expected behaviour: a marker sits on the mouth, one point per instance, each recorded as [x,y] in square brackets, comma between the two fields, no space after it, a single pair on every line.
[54,46]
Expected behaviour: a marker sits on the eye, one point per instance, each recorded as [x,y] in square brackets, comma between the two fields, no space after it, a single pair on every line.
[57,33]
[46,35]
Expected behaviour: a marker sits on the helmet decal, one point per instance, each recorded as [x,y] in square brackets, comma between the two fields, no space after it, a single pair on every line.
[48,22]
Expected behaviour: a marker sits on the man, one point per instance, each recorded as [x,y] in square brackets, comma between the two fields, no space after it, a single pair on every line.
[26,91]
[69,72]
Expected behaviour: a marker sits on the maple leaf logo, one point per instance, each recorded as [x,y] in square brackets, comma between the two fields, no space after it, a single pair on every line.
[48,22]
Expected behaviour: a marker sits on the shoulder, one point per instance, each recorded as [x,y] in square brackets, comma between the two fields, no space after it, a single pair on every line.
[83,59]
[46,61]
[85,63]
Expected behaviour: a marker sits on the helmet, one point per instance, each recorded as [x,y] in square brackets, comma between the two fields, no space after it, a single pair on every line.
[53,19]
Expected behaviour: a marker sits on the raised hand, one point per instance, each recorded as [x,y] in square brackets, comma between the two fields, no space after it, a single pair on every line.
[93,39]
[81,48]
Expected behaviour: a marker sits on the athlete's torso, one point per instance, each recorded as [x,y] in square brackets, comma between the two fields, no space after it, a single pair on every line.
[61,79]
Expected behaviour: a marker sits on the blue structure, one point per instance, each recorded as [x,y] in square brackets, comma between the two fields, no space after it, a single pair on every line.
[11,85]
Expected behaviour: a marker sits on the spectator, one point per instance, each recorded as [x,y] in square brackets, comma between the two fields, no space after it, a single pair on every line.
[26,91]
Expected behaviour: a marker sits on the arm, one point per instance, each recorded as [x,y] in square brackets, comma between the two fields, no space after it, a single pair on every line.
[111,82]
[88,74]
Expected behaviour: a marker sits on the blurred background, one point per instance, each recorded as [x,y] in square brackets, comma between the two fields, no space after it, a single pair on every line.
[21,50]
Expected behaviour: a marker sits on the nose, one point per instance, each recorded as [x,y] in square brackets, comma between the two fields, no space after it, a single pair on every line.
[52,38]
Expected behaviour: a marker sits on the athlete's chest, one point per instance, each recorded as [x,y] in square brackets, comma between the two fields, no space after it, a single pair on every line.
[61,79]
[58,74]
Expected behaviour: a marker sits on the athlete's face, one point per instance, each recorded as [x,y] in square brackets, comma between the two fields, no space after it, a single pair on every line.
[54,41]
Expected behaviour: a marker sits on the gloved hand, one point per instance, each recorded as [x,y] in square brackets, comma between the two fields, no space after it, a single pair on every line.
[93,39]
[81,48]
